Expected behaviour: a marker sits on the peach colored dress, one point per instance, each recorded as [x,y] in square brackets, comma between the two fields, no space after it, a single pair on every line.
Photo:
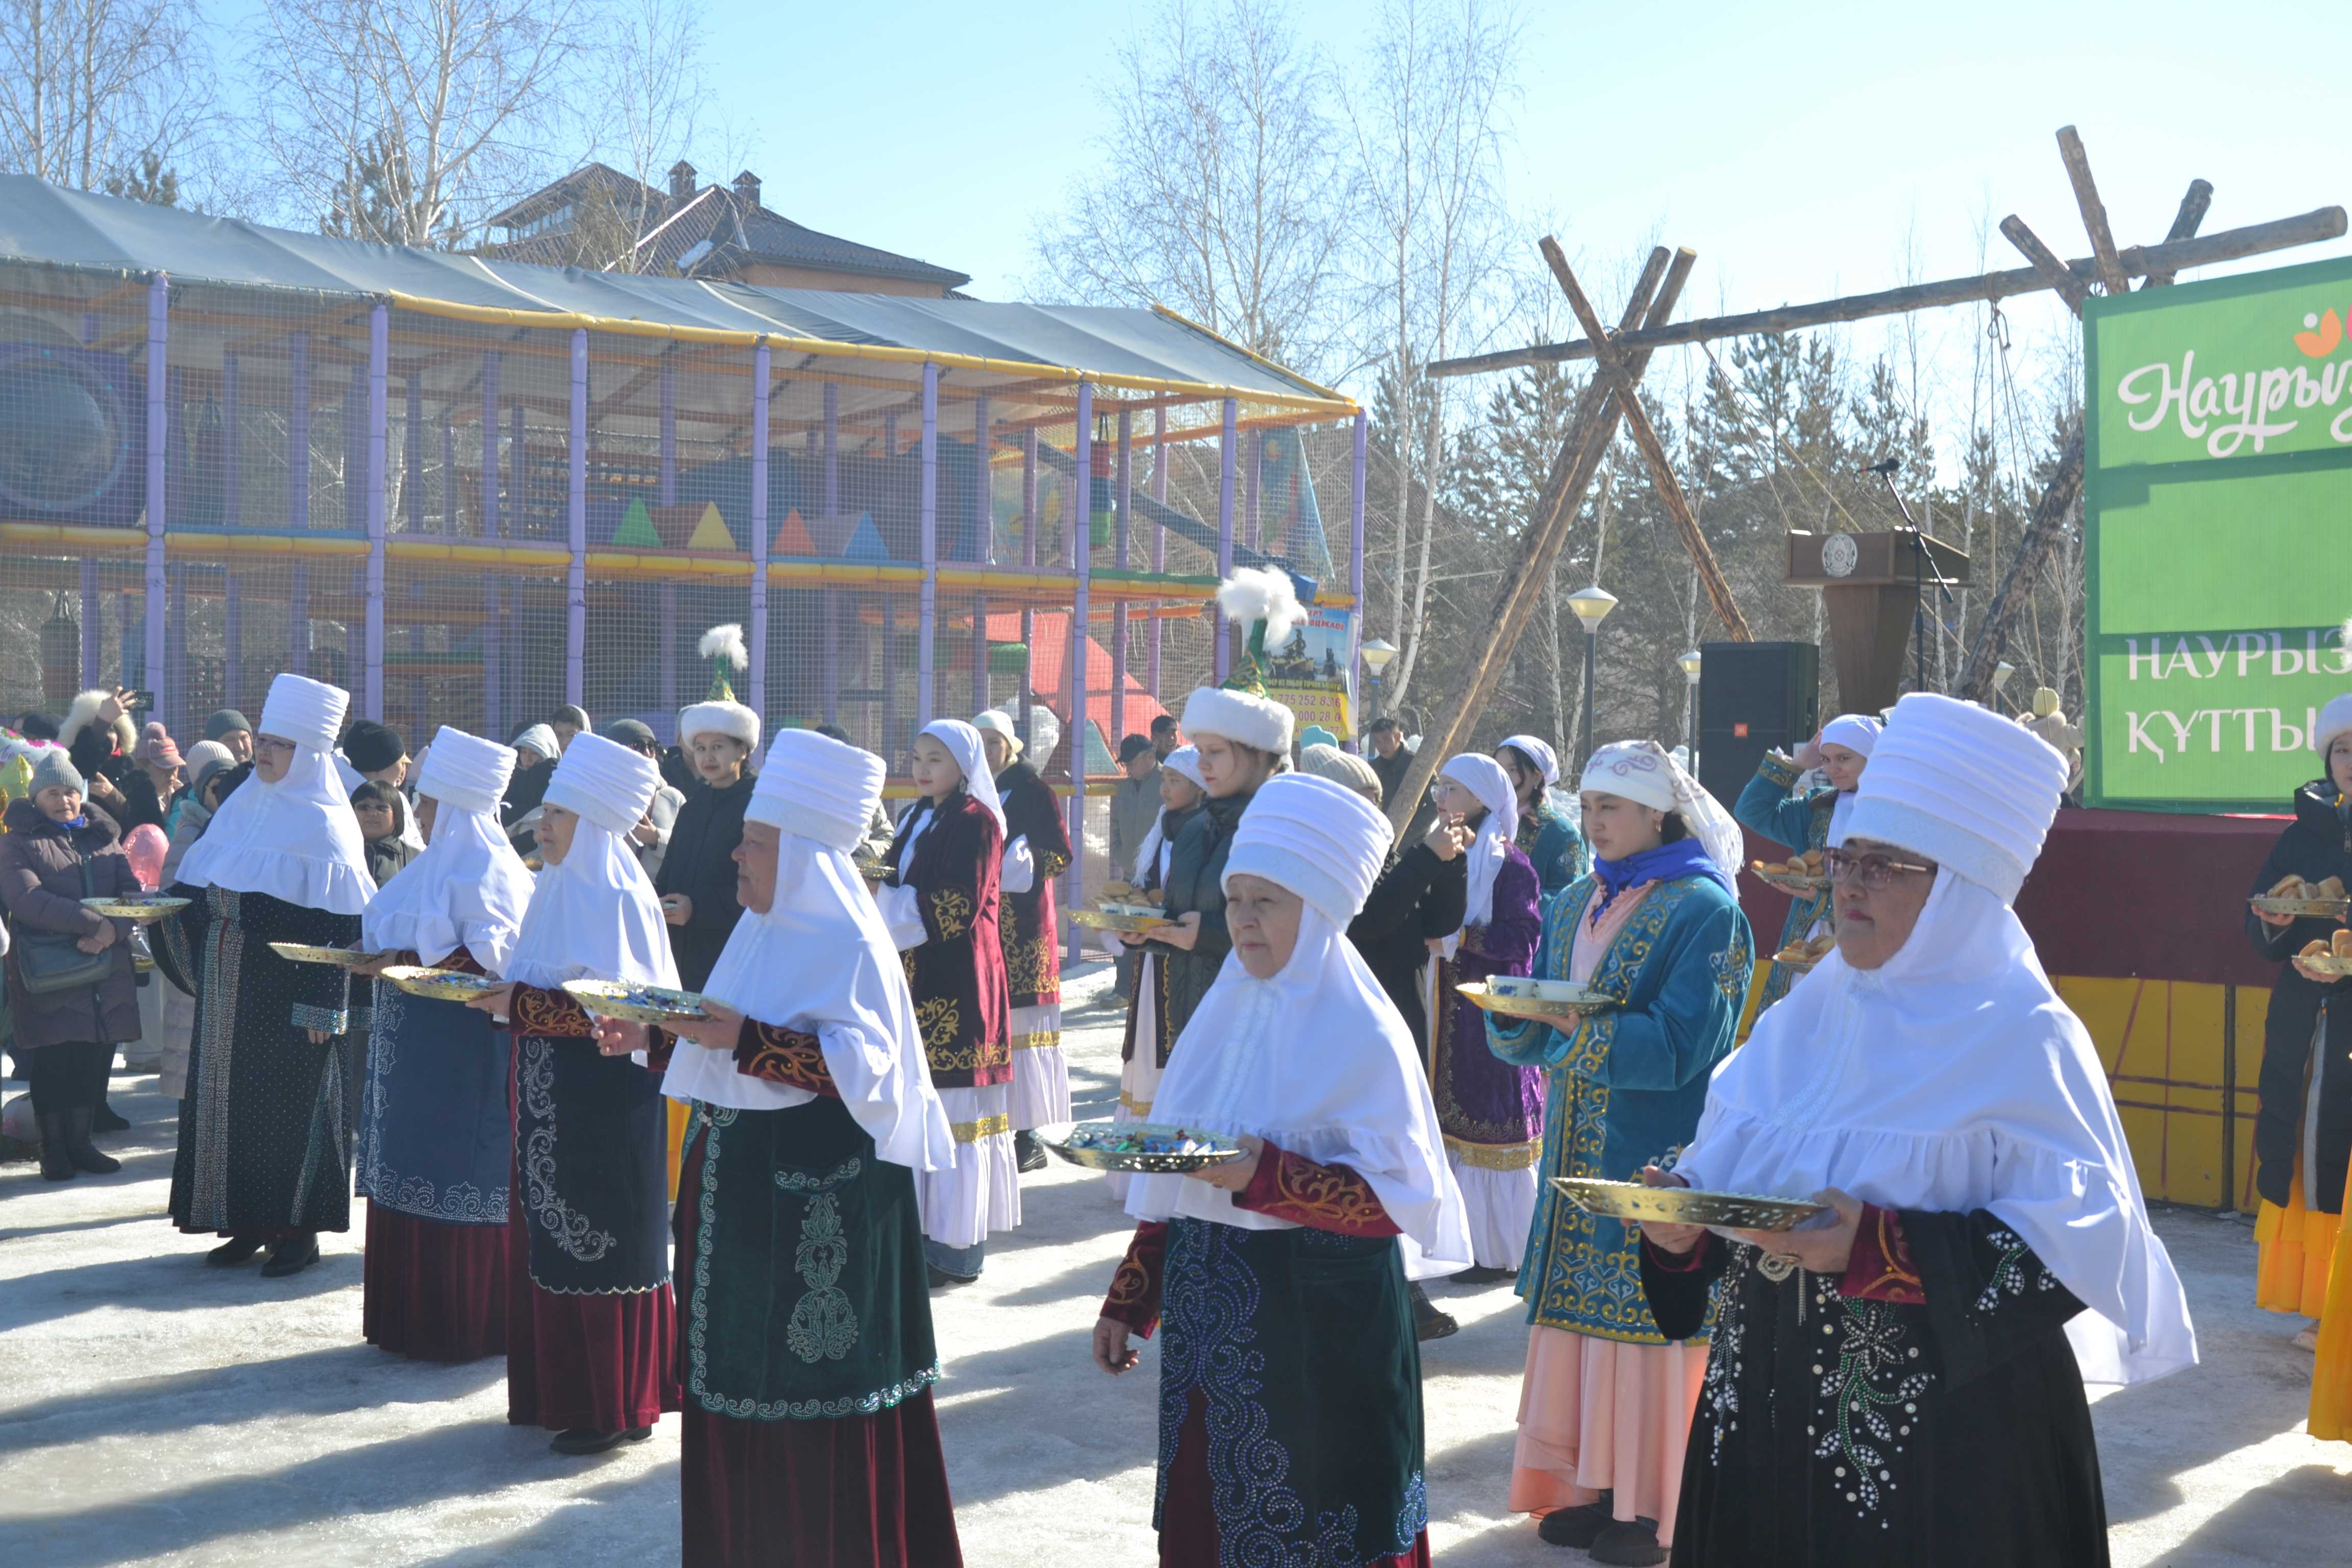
[1598,1414]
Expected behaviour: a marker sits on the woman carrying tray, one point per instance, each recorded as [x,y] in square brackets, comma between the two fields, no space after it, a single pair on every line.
[2303,1126]
[1290,1415]
[1905,1384]
[809,1433]
[1802,824]
[265,1146]
[1491,1110]
[1243,741]
[591,1319]
[435,1133]
[1143,1050]
[939,901]
[1606,1399]
[1037,851]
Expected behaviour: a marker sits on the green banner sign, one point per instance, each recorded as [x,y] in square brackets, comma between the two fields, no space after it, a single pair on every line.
[2218,500]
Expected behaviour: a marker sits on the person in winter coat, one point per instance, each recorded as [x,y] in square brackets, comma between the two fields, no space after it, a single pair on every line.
[382,812]
[2302,1120]
[148,787]
[58,850]
[697,885]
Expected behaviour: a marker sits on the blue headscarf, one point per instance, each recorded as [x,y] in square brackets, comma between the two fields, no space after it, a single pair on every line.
[1683,857]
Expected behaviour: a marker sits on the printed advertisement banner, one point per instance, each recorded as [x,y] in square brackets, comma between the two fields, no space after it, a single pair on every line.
[2218,505]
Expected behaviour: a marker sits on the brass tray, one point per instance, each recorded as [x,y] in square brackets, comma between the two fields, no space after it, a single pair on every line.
[2328,963]
[1789,882]
[1100,920]
[1544,1007]
[656,1005]
[340,957]
[2313,909]
[141,910]
[440,985]
[1071,1143]
[1684,1206]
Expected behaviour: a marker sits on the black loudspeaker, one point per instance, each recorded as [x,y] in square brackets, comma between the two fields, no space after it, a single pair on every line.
[1753,696]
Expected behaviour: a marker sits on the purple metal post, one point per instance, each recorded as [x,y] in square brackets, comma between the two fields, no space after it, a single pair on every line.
[1123,496]
[829,657]
[1029,523]
[448,470]
[667,630]
[1081,535]
[832,447]
[493,671]
[760,367]
[232,639]
[1228,454]
[1255,532]
[158,421]
[927,523]
[668,492]
[1159,534]
[1355,560]
[298,496]
[231,441]
[411,444]
[93,611]
[575,580]
[983,548]
[378,367]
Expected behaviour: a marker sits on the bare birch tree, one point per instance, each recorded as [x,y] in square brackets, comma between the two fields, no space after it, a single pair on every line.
[410,120]
[1220,187]
[1429,114]
[86,87]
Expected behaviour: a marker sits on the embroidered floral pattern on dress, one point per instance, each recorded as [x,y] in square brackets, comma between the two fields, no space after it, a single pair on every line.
[783,1056]
[1325,1197]
[951,912]
[1719,1393]
[553,1013]
[1869,1391]
[823,1324]
[575,1234]
[2011,1274]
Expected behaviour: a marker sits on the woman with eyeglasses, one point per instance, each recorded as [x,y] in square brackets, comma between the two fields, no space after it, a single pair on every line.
[1899,1381]
[1607,1397]
[1808,822]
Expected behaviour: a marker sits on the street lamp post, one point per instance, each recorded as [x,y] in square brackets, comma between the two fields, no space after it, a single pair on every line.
[2001,674]
[1376,654]
[1592,605]
[1690,663]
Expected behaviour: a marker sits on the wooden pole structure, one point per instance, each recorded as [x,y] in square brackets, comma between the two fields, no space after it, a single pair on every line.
[1612,367]
[2185,222]
[1590,432]
[2149,260]
[2094,212]
[2070,287]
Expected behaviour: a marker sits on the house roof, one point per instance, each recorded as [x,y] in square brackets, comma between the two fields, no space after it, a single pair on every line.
[742,231]
[589,179]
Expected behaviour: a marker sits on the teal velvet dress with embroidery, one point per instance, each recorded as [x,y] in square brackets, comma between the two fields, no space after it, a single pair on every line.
[1627,1086]
[1799,824]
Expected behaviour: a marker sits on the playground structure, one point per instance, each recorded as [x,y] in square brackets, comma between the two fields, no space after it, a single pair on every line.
[472,490]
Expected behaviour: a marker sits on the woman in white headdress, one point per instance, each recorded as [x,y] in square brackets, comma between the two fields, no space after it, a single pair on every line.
[592,1324]
[941,901]
[1555,848]
[1143,1049]
[1904,1385]
[809,1434]
[1606,1399]
[1804,824]
[1037,851]
[1280,1278]
[1491,1110]
[265,1141]
[435,1133]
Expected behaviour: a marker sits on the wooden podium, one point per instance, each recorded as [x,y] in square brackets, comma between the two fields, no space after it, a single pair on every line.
[1872,586]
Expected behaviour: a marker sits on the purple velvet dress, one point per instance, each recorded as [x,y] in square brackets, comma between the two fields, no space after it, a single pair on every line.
[1491,1112]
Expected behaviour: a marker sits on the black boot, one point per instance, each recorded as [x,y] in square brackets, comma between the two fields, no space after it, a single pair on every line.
[291,1255]
[1428,1322]
[105,1119]
[236,1249]
[1028,1155]
[81,1150]
[56,1162]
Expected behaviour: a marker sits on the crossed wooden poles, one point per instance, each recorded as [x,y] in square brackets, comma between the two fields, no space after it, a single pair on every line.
[1620,357]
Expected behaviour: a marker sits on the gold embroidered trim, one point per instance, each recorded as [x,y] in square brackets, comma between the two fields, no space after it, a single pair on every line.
[1496,1156]
[1134,1107]
[986,1127]
[1038,1040]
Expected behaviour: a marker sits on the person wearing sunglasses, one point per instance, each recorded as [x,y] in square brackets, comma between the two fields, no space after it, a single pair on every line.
[1899,1379]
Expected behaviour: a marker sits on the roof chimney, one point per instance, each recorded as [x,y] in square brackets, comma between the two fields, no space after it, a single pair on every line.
[747,186]
[681,180]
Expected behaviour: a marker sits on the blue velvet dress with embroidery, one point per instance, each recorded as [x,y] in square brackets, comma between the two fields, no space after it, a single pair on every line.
[436,1137]
[1553,846]
[1798,822]
[1627,1086]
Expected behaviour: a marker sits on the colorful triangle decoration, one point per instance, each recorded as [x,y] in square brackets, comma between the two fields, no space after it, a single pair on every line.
[864,542]
[792,537]
[637,530]
[711,532]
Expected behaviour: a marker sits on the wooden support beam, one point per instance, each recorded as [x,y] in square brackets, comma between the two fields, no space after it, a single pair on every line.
[2049,521]
[1612,366]
[2070,289]
[1591,431]
[2172,257]
[2185,222]
[2094,212]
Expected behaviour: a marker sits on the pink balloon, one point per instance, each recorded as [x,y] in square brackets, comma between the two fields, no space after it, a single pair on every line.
[146,846]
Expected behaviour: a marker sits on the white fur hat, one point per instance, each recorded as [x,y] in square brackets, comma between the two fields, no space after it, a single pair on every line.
[720,718]
[84,714]
[1258,721]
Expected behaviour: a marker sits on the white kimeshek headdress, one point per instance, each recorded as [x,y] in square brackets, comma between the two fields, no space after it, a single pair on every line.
[296,840]
[1483,776]
[1953,1077]
[1646,772]
[820,960]
[1315,1060]
[595,916]
[469,889]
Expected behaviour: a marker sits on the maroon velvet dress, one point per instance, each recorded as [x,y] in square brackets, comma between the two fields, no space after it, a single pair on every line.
[865,1489]
[592,1325]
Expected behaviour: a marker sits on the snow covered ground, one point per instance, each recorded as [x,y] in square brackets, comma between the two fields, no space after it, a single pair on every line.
[153,1411]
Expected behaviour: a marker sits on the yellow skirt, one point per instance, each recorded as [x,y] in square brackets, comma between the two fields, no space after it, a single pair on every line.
[2331,1372]
[2296,1247]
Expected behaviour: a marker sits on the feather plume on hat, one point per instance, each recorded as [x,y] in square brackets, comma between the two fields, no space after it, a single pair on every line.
[1262,594]
[723,646]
